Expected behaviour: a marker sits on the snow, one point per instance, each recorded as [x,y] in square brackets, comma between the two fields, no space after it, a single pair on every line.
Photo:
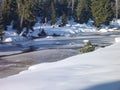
[103,30]
[117,39]
[11,35]
[10,31]
[98,70]
[113,26]
[86,41]
[70,29]
[115,23]
[77,28]
[71,21]
[8,40]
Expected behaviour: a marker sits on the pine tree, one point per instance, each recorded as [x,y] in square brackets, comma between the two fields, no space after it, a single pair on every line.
[53,15]
[62,7]
[9,14]
[6,13]
[26,16]
[64,19]
[102,11]
[116,8]
[83,11]
[1,19]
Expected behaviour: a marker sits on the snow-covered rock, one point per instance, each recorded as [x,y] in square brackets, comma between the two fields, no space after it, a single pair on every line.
[103,30]
[10,33]
[8,40]
[117,39]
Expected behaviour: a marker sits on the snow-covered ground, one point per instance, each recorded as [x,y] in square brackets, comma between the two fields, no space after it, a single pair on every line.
[11,35]
[70,29]
[98,70]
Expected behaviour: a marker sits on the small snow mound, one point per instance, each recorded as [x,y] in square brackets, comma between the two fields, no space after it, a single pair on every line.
[8,40]
[103,30]
[49,37]
[86,41]
[117,39]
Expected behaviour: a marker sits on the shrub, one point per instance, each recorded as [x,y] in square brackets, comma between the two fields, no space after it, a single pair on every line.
[87,48]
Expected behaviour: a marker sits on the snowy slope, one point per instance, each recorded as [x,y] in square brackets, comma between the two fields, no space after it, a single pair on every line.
[98,70]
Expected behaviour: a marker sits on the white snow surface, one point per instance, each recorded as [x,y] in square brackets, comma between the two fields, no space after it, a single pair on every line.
[63,31]
[98,70]
[11,35]
[71,28]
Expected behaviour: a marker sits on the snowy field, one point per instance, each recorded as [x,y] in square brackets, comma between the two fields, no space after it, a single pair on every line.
[98,70]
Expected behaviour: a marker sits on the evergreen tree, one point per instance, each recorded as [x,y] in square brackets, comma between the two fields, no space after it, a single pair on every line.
[64,19]
[6,12]
[26,16]
[53,15]
[116,8]
[1,19]
[102,11]
[62,7]
[24,12]
[83,11]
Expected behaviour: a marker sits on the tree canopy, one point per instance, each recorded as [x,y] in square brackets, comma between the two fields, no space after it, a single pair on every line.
[24,12]
[102,11]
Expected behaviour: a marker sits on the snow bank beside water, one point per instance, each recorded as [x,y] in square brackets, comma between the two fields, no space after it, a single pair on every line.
[72,28]
[69,29]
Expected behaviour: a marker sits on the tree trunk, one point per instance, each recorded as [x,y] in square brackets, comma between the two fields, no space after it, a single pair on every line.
[21,22]
[72,6]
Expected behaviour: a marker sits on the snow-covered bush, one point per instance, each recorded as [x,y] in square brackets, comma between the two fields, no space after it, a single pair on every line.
[87,48]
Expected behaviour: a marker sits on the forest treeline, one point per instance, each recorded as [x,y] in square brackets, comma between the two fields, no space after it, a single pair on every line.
[24,13]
